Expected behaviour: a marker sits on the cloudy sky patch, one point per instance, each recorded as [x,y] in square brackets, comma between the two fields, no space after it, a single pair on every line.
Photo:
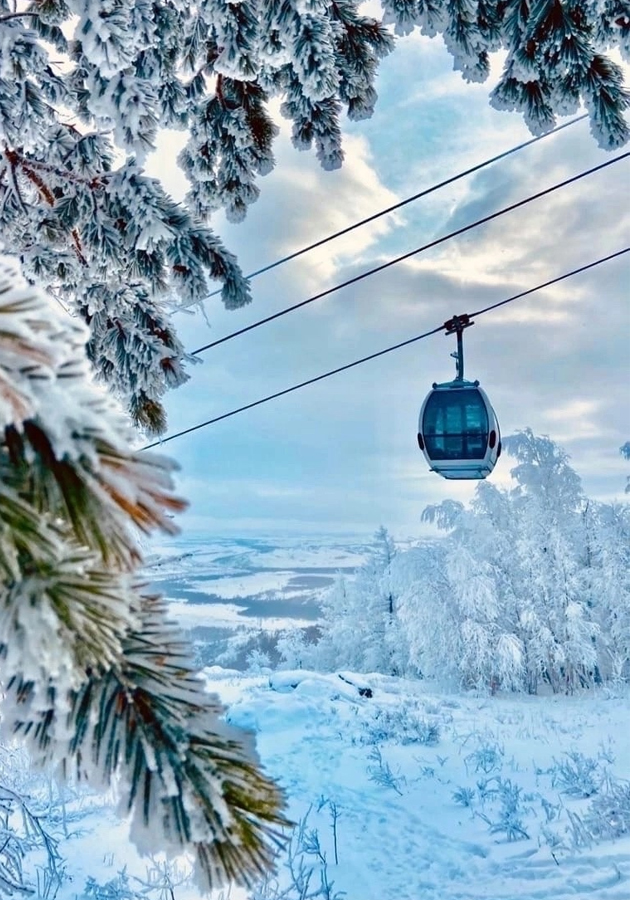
[341,455]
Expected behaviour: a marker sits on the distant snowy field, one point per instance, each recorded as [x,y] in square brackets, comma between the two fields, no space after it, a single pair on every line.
[402,792]
[222,590]
[437,796]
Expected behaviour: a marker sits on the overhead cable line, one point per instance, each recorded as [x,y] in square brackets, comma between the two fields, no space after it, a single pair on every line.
[411,199]
[410,253]
[364,359]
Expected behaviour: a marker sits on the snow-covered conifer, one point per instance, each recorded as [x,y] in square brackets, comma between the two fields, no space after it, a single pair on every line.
[360,625]
[94,677]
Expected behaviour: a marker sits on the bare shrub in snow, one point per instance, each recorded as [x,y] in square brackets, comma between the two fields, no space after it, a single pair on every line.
[464,796]
[160,883]
[487,758]
[578,775]
[25,835]
[501,804]
[578,835]
[381,772]
[608,814]
[117,888]
[303,870]
[404,723]
[512,811]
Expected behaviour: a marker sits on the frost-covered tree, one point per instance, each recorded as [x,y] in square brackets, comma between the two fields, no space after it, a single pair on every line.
[521,570]
[529,588]
[359,628]
[609,571]
[458,602]
[625,452]
[85,86]
[344,628]
[95,680]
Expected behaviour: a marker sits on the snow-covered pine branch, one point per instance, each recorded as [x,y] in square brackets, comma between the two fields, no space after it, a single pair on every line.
[113,247]
[94,678]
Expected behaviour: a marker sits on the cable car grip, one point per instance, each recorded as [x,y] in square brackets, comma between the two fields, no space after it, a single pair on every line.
[458,323]
[456,326]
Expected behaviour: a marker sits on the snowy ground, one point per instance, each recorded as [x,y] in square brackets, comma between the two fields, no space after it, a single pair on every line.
[409,794]
[436,796]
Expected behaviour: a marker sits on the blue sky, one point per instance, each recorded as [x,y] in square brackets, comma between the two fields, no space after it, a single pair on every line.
[342,455]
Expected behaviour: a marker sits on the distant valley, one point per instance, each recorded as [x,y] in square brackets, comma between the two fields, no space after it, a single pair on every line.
[232,595]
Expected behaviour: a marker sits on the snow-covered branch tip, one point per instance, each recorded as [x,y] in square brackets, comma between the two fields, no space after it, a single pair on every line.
[188,779]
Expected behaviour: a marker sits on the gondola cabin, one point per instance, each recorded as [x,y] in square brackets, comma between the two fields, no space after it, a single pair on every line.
[458,431]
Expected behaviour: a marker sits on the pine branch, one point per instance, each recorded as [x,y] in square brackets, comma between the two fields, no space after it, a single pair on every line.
[16,160]
[58,171]
[95,679]
[39,183]
[148,727]
[18,15]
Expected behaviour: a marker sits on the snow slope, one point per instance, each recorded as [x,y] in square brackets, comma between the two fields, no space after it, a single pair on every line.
[432,796]
[390,765]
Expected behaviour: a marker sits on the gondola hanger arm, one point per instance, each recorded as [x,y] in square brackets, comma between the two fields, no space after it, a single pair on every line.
[456,326]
